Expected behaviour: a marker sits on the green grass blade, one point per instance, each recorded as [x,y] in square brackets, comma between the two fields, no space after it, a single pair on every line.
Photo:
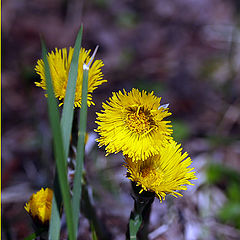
[94,235]
[66,125]
[58,146]
[77,185]
[55,221]
[67,114]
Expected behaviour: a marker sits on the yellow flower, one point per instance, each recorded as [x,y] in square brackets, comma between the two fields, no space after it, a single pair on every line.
[133,123]
[59,62]
[165,173]
[40,204]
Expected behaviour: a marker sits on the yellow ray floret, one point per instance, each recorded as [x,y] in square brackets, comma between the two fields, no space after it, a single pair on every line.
[133,123]
[165,173]
[59,62]
[40,204]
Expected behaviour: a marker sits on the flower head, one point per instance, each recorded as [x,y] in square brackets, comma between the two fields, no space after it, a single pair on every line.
[167,172]
[59,62]
[40,204]
[133,123]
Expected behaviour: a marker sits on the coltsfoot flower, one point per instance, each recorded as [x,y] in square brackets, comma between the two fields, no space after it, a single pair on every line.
[59,62]
[39,206]
[133,123]
[165,173]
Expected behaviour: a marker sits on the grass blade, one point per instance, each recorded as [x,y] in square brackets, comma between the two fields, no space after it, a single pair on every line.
[77,185]
[66,125]
[55,221]
[67,114]
[94,235]
[58,146]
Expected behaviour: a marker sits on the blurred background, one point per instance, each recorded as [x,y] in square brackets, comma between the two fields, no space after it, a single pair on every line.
[185,51]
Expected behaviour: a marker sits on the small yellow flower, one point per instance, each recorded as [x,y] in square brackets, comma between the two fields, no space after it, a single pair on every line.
[40,204]
[59,62]
[133,123]
[165,173]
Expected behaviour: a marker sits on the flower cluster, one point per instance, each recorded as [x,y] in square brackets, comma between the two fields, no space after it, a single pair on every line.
[59,63]
[39,206]
[134,123]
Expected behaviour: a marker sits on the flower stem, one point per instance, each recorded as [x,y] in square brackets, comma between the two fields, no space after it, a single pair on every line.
[139,218]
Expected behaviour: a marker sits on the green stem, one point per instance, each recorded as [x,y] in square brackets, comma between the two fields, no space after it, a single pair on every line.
[77,183]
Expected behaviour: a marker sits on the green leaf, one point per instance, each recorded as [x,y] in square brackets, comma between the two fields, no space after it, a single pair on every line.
[77,185]
[67,114]
[58,146]
[94,235]
[55,221]
[134,225]
[66,125]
